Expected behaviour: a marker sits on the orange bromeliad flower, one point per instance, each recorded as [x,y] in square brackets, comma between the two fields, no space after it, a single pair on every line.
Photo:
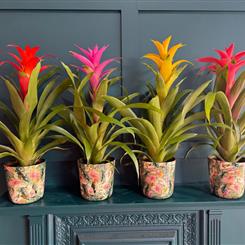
[25,63]
[168,69]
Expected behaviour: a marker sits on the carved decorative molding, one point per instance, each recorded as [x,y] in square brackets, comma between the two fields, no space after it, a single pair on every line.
[65,225]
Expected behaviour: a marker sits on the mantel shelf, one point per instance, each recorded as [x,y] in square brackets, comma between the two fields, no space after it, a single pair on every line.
[62,200]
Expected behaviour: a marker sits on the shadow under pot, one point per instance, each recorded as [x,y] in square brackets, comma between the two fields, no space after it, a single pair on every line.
[96,180]
[157,179]
[226,179]
[25,183]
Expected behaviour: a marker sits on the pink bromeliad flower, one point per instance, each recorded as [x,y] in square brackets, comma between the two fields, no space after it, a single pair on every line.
[25,64]
[231,62]
[91,60]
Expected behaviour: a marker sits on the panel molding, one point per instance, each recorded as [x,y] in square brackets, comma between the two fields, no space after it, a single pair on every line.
[214,227]
[36,230]
[153,5]
[186,223]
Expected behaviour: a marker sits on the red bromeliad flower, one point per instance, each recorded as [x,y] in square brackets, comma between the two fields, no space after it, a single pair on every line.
[231,63]
[26,62]
[91,61]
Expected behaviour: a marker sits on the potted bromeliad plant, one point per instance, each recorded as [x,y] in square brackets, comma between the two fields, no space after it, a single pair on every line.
[30,117]
[95,128]
[167,123]
[224,109]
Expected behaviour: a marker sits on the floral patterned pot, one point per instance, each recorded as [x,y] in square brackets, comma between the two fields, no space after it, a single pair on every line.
[226,178]
[96,180]
[25,184]
[157,179]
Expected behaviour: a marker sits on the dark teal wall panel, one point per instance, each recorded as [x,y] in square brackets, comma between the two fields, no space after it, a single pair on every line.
[57,31]
[128,26]
[13,230]
[232,232]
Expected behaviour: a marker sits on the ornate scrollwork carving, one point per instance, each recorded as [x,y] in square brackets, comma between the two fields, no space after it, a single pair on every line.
[66,223]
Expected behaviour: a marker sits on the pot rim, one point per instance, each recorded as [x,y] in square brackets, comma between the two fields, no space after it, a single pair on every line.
[212,157]
[12,164]
[142,160]
[111,160]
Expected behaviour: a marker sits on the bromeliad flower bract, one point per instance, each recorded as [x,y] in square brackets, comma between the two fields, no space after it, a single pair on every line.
[30,113]
[95,127]
[168,69]
[225,68]
[169,110]
[92,64]
[26,62]
[224,106]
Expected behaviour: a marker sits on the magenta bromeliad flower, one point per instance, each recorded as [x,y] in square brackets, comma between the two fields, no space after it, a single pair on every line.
[91,60]
[232,63]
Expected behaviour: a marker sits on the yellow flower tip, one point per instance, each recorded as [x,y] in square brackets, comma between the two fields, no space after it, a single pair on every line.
[183,45]
[167,40]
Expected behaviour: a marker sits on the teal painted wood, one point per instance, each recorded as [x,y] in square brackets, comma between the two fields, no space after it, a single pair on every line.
[61,200]
[62,217]
[37,230]
[192,216]
[214,232]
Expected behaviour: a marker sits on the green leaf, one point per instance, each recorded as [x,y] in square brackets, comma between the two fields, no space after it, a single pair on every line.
[149,130]
[30,103]
[48,88]
[119,132]
[15,142]
[99,100]
[8,154]
[225,107]
[69,73]
[220,82]
[155,117]
[209,102]
[78,109]
[83,83]
[64,132]
[168,102]
[55,110]
[50,146]
[51,98]
[150,68]
[105,118]
[191,99]
[181,138]
[197,145]
[4,148]
[16,101]
[238,106]
[31,97]
[241,122]
[161,87]
[237,87]
[51,74]
[130,154]
[10,115]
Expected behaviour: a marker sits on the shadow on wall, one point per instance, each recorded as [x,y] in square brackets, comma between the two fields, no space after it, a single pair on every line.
[2,181]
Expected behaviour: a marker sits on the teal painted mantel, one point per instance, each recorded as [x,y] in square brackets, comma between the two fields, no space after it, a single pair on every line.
[192,216]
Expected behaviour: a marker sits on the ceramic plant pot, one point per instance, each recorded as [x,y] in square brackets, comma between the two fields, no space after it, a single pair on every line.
[25,184]
[226,178]
[96,180]
[157,179]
